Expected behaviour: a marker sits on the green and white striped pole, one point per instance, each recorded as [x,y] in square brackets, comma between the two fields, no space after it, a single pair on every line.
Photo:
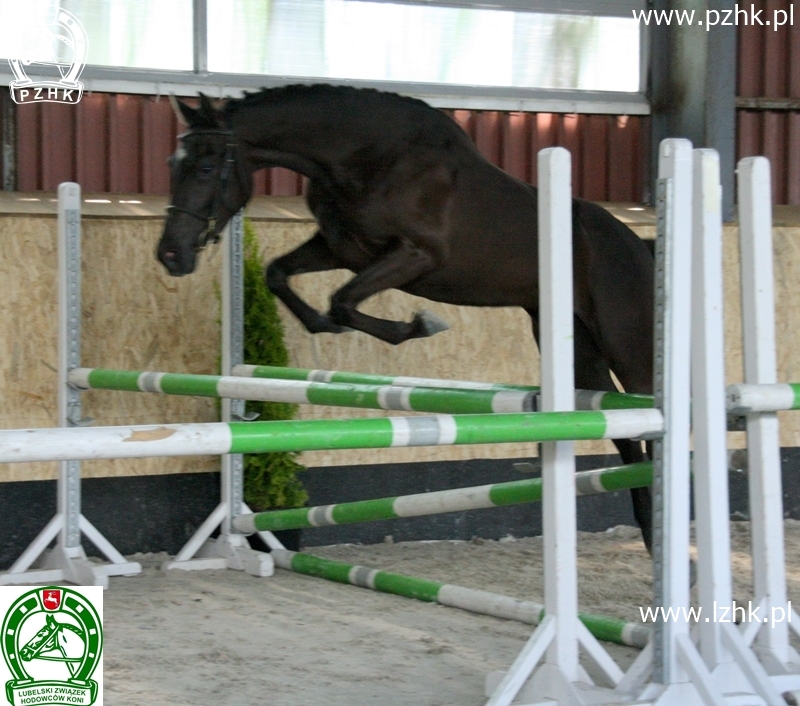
[601,480]
[20,445]
[482,602]
[281,373]
[300,386]
[584,399]
[369,396]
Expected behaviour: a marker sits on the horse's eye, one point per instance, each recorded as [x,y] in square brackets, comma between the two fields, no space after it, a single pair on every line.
[206,170]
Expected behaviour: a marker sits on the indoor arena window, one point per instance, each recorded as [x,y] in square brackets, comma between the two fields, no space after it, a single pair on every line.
[416,43]
[566,56]
[148,34]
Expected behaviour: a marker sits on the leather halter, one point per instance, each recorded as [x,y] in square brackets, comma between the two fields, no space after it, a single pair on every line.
[210,234]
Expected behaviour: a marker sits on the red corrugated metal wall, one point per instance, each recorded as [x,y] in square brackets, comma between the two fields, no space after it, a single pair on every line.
[769,68]
[120,143]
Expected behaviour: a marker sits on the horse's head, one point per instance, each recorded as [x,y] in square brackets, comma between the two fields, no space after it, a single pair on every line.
[210,183]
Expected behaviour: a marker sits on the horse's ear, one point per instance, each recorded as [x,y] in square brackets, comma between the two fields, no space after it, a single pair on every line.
[186,115]
[210,115]
[206,116]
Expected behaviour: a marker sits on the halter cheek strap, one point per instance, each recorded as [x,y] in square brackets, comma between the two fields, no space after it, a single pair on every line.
[210,234]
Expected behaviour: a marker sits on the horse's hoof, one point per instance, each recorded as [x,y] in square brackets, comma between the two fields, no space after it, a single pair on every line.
[427,323]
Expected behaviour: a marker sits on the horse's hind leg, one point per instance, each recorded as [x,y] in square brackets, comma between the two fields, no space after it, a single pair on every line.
[592,373]
[312,256]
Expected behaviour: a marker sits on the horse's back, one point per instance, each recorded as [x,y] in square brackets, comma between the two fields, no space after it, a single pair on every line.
[614,256]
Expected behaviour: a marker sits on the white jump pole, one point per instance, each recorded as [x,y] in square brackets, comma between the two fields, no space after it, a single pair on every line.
[230,550]
[770,640]
[67,561]
[735,669]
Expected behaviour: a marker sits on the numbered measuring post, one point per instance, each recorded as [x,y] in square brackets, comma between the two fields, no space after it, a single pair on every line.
[69,352]
[67,560]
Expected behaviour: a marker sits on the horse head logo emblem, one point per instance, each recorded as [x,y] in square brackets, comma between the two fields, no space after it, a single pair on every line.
[62,44]
[52,640]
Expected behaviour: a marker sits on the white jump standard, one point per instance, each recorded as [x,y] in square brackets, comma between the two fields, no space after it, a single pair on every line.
[733,666]
[771,644]
[67,561]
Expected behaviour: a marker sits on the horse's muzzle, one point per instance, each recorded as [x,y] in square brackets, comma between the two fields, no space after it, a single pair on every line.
[178,261]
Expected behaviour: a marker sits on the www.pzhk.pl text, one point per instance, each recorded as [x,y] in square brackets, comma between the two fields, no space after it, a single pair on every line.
[718,18]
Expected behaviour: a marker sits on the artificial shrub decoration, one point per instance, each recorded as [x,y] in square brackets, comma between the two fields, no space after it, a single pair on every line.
[270,480]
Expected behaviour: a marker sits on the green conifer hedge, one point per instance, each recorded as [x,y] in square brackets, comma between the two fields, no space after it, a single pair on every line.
[270,480]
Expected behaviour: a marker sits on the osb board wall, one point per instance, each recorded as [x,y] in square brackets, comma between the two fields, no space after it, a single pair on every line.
[136,317]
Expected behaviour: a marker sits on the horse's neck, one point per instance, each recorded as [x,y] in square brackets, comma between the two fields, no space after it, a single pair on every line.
[261,158]
[300,136]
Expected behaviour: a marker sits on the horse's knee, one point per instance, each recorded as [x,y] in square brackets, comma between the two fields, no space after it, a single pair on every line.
[339,313]
[275,277]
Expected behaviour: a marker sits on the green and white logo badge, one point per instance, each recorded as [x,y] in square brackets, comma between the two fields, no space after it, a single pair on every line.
[52,643]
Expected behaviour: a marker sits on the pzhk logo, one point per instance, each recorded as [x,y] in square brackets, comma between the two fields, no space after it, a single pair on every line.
[62,44]
[52,641]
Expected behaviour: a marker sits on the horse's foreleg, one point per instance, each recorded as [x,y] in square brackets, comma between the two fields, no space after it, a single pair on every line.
[312,256]
[399,267]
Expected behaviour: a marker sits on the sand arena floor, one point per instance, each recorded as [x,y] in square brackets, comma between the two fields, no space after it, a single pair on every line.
[223,638]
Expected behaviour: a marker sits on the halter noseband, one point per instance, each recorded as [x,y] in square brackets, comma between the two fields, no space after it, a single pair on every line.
[210,234]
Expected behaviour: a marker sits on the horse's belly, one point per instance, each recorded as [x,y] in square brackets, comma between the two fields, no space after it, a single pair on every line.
[478,287]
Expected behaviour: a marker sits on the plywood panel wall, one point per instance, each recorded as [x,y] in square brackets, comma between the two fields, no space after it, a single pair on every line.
[137,317]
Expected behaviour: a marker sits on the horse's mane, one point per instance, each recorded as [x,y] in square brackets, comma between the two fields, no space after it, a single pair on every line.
[324,90]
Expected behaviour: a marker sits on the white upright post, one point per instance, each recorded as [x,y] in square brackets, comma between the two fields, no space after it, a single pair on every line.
[679,674]
[557,344]
[230,550]
[771,638]
[736,671]
[67,561]
[557,638]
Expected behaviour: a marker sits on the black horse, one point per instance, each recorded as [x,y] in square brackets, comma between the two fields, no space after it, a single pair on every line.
[404,200]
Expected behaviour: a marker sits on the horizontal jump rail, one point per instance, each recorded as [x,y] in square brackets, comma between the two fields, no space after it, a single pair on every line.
[743,399]
[338,394]
[217,438]
[584,399]
[600,480]
[280,373]
[298,386]
[474,601]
